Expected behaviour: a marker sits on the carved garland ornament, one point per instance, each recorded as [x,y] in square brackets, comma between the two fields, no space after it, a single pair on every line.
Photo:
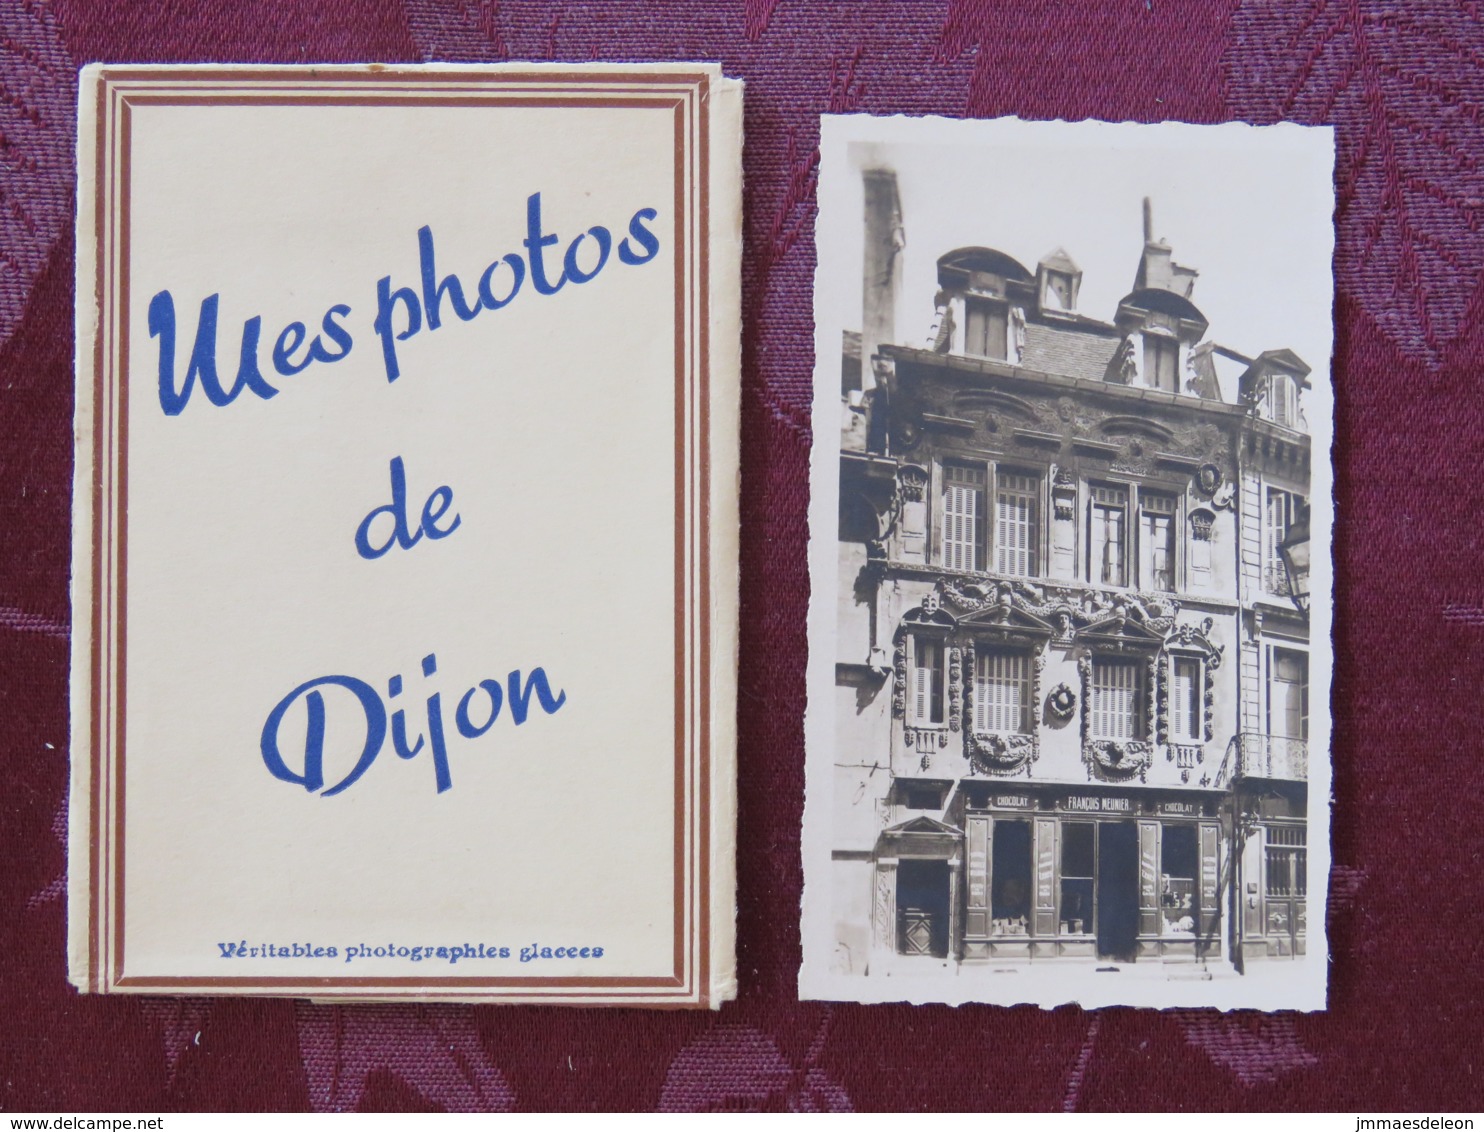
[1067,608]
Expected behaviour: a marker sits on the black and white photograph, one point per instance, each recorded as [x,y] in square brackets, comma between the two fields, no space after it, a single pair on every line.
[1068,725]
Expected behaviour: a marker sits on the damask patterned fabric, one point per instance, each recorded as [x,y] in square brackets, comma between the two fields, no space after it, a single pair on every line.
[1402,81]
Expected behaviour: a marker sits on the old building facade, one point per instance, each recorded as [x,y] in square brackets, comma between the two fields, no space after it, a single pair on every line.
[1071,678]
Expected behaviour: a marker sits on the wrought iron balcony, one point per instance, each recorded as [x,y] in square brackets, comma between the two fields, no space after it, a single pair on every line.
[1272,756]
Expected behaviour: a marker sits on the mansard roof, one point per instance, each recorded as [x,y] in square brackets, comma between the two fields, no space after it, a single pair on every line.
[1072,352]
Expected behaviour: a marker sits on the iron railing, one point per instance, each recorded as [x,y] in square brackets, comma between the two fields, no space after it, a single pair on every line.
[1272,756]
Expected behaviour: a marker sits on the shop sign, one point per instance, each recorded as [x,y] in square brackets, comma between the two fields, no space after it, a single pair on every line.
[1178,809]
[1087,804]
[1013,802]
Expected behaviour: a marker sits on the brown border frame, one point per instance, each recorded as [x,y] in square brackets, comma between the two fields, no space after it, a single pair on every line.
[685,94]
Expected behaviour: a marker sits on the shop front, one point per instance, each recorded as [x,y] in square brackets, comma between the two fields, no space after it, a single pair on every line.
[1272,873]
[1100,874]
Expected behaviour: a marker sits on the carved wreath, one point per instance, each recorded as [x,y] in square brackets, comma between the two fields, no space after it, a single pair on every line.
[1062,702]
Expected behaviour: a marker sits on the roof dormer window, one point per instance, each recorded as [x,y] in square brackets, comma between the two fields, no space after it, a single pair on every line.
[986,328]
[1283,400]
[1161,361]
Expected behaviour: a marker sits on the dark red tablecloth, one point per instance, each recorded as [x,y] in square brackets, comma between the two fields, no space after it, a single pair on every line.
[1404,83]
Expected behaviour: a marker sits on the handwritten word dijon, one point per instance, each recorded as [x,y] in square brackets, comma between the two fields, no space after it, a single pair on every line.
[367,716]
[401,312]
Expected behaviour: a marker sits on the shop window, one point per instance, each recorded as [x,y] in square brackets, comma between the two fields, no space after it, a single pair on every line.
[1281,511]
[927,691]
[1107,536]
[1162,362]
[963,516]
[1288,694]
[1116,709]
[986,329]
[1287,862]
[1181,869]
[1002,691]
[1010,884]
[1016,523]
[1078,870]
[1156,540]
[1186,700]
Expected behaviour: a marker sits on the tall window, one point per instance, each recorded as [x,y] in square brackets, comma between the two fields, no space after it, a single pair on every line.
[1288,694]
[1002,691]
[1162,362]
[1185,700]
[1106,545]
[1116,708]
[1016,523]
[986,329]
[963,516]
[1156,540]
[927,682]
[1281,511]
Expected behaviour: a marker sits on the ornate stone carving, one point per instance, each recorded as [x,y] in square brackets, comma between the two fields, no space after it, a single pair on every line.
[1124,369]
[1063,702]
[885,906]
[956,687]
[1207,480]
[996,752]
[1120,758]
[1191,639]
[968,698]
[899,678]
[1067,608]
[1201,522]
[1134,457]
[1186,758]
[912,481]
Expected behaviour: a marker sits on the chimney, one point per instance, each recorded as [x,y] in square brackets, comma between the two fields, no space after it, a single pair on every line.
[882,269]
[1148,221]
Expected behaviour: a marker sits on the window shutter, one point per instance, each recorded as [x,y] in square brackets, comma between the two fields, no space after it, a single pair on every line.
[1185,701]
[922,679]
[1210,882]
[1001,691]
[978,918]
[1115,699]
[1015,533]
[1045,921]
[963,531]
[1109,515]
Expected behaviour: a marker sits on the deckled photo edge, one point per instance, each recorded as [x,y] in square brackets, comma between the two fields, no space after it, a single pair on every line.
[1251,909]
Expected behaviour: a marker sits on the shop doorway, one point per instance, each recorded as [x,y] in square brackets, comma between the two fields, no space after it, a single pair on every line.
[1118,890]
[1287,868]
[922,908]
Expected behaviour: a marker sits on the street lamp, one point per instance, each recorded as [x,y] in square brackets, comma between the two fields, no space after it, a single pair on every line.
[1295,551]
